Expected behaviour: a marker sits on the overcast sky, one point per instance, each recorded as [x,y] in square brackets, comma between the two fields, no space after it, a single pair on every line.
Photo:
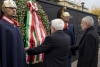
[89,3]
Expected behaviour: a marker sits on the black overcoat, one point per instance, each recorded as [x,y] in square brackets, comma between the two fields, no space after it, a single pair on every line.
[55,49]
[88,49]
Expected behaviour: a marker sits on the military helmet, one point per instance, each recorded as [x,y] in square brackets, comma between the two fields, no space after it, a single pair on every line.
[9,3]
[63,13]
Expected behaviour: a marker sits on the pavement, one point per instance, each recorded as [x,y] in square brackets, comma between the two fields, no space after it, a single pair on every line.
[74,64]
[99,58]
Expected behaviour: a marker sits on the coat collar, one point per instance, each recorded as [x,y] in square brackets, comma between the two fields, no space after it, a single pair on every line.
[89,29]
[59,31]
[10,20]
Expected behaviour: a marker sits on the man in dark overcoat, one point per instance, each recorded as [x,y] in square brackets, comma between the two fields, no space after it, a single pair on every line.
[89,44]
[55,46]
[69,30]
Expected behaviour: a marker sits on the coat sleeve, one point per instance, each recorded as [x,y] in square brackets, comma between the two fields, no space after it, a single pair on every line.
[73,42]
[44,47]
[74,39]
[0,43]
[98,30]
[75,47]
[88,50]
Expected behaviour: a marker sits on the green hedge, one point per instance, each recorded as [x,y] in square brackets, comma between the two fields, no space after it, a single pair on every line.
[21,13]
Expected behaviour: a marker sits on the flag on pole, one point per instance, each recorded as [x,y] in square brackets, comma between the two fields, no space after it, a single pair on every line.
[35,32]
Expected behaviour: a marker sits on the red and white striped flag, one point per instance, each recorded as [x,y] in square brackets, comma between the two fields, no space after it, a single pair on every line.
[35,32]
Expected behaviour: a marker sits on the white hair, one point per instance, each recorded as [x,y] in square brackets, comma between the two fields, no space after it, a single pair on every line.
[58,24]
[89,20]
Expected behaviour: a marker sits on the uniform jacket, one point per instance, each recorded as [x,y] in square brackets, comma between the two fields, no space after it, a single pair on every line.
[55,49]
[12,52]
[70,31]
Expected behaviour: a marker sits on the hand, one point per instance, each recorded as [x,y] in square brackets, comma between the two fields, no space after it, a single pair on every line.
[26,48]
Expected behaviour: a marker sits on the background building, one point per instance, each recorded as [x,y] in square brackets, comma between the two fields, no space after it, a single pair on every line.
[72,4]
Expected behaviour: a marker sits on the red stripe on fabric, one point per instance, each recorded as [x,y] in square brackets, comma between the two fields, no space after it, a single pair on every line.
[36,30]
[31,40]
[34,44]
[42,26]
[28,59]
